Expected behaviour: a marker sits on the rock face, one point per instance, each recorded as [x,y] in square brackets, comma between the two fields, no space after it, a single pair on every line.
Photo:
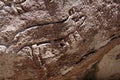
[59,39]
[111,60]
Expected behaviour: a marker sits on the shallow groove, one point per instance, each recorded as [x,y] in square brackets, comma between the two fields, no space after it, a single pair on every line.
[42,25]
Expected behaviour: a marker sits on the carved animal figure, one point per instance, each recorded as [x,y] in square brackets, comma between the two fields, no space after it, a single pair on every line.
[46,33]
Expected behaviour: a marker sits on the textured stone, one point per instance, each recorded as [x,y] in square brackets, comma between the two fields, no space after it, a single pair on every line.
[59,39]
[2,49]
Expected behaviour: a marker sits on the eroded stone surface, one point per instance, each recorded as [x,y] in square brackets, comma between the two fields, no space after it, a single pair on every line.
[109,66]
[52,39]
[2,49]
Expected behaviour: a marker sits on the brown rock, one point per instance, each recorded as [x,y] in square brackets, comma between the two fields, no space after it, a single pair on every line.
[59,39]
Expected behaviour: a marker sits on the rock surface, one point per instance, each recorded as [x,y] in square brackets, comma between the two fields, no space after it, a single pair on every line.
[59,39]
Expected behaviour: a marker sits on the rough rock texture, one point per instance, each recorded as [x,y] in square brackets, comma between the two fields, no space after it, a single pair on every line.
[59,39]
[111,60]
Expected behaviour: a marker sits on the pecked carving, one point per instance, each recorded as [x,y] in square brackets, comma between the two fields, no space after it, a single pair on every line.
[23,22]
[72,11]
[56,39]
[32,35]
